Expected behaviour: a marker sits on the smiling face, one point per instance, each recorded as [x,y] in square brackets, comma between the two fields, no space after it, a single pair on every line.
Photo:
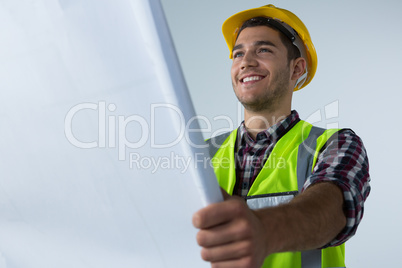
[261,74]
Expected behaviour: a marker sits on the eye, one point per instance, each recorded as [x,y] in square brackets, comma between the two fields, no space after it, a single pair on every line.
[264,50]
[238,54]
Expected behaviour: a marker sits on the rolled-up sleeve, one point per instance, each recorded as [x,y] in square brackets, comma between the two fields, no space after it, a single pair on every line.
[343,161]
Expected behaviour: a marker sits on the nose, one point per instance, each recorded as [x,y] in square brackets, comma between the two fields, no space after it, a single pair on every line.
[249,60]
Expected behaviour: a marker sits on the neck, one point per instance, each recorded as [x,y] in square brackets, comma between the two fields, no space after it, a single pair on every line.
[256,122]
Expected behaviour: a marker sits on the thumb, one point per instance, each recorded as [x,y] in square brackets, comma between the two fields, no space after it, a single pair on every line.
[225,195]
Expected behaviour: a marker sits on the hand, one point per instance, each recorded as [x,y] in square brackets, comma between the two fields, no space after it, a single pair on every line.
[231,234]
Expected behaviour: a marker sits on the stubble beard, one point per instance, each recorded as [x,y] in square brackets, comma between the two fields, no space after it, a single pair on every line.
[272,96]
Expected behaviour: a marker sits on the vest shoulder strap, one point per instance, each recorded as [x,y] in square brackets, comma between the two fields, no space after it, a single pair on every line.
[306,152]
[216,142]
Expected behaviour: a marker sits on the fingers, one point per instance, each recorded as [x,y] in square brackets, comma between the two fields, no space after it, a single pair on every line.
[230,234]
[241,254]
[227,252]
[235,230]
[218,213]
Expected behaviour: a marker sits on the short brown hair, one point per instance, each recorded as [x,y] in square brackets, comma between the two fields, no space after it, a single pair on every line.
[293,51]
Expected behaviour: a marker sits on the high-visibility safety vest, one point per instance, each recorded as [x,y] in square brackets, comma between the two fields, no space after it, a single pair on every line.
[282,177]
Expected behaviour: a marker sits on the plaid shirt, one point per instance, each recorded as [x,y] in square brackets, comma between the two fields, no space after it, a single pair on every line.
[343,162]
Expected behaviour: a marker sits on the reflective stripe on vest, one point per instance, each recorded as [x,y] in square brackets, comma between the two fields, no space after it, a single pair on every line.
[303,141]
[270,200]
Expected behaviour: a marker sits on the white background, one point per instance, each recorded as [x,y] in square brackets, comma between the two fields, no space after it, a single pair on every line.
[359,55]
[79,85]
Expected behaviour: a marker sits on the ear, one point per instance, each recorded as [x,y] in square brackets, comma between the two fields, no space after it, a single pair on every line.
[299,67]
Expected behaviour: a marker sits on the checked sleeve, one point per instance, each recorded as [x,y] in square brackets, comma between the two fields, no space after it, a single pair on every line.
[344,162]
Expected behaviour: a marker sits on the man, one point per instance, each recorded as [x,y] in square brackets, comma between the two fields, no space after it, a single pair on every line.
[297,190]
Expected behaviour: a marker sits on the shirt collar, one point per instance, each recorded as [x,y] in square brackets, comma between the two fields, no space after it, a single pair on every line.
[272,134]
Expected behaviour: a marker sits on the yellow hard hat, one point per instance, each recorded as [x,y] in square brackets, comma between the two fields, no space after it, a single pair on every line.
[290,22]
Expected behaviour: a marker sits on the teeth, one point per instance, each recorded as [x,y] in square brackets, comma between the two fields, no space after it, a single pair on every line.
[252,78]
